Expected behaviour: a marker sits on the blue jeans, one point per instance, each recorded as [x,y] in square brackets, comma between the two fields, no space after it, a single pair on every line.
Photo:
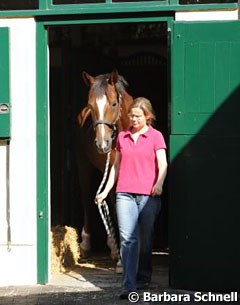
[136,217]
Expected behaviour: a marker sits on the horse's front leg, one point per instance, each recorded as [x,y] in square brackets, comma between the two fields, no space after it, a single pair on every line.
[85,245]
[86,202]
[113,241]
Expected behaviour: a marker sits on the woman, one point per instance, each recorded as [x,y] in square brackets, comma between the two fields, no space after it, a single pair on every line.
[139,168]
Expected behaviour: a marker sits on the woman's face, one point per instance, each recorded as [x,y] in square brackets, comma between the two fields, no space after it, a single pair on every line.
[137,118]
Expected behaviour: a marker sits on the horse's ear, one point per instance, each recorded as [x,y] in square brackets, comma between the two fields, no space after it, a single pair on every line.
[113,79]
[82,116]
[88,79]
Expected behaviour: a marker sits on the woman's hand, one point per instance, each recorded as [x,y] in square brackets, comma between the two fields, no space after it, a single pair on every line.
[100,197]
[162,171]
[157,190]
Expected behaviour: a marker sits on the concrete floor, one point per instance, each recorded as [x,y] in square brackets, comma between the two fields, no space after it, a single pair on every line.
[94,282]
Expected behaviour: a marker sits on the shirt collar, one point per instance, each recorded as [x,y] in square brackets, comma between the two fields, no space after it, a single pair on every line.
[145,134]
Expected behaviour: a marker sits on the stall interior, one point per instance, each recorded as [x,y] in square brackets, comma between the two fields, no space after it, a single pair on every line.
[139,52]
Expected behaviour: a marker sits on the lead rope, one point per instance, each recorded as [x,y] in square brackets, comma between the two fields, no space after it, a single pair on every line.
[106,217]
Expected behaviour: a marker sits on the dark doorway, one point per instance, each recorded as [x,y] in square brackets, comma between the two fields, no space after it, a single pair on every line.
[139,52]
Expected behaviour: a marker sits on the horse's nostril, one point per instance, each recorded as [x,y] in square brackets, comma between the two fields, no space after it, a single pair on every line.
[109,143]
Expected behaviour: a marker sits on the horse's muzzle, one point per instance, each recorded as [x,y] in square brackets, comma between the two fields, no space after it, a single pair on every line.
[103,147]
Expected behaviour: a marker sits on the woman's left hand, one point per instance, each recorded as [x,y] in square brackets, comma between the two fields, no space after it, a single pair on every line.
[157,190]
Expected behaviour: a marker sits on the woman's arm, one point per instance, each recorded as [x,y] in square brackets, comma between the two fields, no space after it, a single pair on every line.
[111,179]
[162,172]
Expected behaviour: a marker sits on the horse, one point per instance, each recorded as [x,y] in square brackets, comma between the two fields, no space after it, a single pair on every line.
[105,114]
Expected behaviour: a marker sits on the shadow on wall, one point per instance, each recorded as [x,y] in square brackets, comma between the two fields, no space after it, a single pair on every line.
[205,203]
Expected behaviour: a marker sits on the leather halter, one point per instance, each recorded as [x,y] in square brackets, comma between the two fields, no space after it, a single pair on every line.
[111,125]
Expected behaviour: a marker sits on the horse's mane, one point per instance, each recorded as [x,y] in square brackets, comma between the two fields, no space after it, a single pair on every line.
[101,82]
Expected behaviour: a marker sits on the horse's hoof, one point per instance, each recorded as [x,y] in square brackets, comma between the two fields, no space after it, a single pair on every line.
[111,242]
[119,269]
[85,245]
[84,253]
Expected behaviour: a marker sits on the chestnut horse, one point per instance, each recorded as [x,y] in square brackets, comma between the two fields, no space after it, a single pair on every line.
[104,116]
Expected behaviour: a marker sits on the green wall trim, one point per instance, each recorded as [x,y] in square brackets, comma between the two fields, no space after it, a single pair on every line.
[42,154]
[43,4]
[107,7]
[112,20]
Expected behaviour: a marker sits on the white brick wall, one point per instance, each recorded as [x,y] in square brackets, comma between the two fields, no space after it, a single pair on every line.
[207,15]
[18,266]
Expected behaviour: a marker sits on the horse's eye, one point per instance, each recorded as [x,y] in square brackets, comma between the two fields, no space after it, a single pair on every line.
[114,104]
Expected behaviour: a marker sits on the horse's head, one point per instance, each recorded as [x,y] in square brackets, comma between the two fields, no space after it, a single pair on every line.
[104,105]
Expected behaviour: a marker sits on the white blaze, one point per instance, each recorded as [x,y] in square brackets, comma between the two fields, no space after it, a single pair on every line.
[101,103]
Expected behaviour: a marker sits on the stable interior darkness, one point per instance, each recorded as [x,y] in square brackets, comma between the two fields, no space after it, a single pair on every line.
[139,51]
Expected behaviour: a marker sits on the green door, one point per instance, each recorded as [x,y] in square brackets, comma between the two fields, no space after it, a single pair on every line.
[4,84]
[205,149]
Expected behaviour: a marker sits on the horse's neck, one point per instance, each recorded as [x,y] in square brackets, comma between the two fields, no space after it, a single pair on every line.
[123,123]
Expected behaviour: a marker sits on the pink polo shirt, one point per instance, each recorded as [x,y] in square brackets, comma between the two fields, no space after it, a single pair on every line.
[138,168]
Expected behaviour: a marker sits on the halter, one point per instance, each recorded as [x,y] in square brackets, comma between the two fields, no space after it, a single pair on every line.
[111,125]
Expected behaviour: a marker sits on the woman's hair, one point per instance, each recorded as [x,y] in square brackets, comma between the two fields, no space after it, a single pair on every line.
[146,106]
